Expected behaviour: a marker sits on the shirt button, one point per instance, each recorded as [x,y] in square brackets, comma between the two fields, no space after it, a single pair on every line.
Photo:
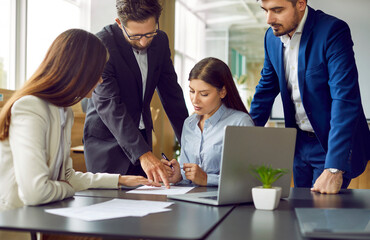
[295,87]
[299,105]
[303,122]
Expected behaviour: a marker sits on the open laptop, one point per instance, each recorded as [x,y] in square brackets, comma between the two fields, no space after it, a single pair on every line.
[244,147]
[334,223]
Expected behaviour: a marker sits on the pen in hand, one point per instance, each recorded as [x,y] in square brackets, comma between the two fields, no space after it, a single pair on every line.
[165,157]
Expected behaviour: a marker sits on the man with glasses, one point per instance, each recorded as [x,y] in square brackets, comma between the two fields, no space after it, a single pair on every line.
[118,127]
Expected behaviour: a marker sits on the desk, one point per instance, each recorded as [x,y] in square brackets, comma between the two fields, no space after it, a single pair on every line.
[122,194]
[78,149]
[245,222]
[185,221]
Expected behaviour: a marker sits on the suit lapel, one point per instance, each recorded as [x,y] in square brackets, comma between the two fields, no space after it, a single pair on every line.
[152,64]
[276,51]
[306,35]
[279,61]
[280,67]
[128,56]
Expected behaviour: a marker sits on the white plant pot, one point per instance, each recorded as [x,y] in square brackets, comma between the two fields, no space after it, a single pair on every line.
[266,198]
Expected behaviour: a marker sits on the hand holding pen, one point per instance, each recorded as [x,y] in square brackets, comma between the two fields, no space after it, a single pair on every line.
[173,169]
[165,158]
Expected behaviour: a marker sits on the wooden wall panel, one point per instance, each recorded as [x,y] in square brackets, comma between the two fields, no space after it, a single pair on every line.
[362,181]
[162,126]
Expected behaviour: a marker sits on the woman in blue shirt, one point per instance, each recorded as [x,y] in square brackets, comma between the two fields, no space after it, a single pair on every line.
[217,104]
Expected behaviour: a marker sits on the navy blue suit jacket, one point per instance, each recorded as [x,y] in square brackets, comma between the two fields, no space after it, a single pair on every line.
[112,139]
[328,83]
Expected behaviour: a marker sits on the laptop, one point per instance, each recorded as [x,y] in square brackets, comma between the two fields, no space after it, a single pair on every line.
[244,147]
[334,223]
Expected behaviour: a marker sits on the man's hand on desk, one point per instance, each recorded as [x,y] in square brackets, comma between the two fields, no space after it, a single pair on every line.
[154,169]
[328,182]
[132,181]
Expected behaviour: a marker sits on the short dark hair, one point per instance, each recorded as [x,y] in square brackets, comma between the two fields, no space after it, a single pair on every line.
[216,73]
[294,2]
[137,10]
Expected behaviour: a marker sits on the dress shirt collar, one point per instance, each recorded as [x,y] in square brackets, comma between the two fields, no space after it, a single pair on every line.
[285,38]
[212,120]
[139,52]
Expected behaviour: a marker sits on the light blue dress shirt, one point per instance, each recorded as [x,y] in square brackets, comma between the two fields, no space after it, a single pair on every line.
[205,148]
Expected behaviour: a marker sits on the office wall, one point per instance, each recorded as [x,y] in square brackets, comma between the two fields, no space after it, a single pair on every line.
[355,13]
[102,14]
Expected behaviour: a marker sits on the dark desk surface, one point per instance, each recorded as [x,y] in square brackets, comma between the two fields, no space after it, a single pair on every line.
[185,221]
[245,222]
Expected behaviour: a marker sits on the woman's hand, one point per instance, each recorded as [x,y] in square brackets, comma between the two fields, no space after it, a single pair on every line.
[174,173]
[195,174]
[132,181]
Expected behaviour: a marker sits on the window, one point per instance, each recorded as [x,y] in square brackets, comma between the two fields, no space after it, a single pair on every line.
[238,63]
[6,40]
[28,28]
[45,21]
[189,44]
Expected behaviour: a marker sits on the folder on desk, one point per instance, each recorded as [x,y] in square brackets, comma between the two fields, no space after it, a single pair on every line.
[334,223]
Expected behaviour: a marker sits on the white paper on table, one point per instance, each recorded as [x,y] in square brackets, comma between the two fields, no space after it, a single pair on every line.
[161,190]
[113,209]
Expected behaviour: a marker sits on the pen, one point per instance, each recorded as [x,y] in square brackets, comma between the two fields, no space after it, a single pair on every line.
[165,157]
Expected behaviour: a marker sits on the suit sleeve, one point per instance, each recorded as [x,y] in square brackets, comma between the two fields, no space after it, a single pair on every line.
[28,141]
[266,90]
[346,102]
[171,94]
[113,112]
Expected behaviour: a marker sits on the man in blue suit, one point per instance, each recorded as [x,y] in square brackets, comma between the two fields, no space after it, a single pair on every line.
[309,59]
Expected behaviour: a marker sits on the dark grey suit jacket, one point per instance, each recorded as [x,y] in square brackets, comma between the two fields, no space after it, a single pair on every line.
[112,140]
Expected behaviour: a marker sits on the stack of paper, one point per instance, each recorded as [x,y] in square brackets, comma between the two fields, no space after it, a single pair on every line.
[115,208]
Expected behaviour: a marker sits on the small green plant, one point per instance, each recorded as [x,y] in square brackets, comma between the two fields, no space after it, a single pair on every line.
[267,175]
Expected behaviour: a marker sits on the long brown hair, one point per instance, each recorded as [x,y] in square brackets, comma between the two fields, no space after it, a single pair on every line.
[71,68]
[216,73]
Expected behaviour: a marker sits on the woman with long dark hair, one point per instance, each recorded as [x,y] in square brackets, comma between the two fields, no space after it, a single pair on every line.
[217,104]
[36,122]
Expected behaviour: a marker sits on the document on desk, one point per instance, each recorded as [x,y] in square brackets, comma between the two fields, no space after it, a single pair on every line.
[115,208]
[161,190]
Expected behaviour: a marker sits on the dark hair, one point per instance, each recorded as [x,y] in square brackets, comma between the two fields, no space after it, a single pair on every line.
[216,73]
[294,2]
[71,68]
[137,10]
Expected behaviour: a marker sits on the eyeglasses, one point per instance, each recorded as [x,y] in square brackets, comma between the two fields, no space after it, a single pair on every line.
[140,36]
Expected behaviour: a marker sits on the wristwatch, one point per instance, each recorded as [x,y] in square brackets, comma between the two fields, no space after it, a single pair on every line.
[334,170]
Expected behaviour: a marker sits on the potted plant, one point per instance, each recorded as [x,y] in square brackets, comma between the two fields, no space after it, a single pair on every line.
[267,197]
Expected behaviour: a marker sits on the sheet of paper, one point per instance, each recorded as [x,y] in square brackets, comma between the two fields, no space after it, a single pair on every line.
[161,190]
[113,209]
